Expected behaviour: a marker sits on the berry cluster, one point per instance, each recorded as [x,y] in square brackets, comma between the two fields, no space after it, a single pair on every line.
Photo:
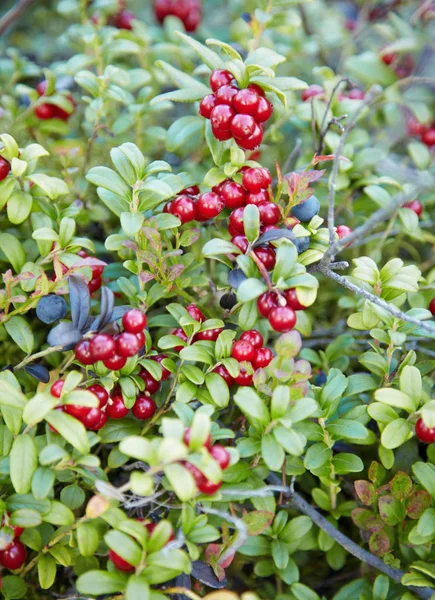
[279,309]
[5,168]
[210,335]
[190,205]
[188,11]
[218,453]
[14,555]
[50,111]
[424,433]
[92,418]
[114,350]
[317,90]
[419,130]
[234,112]
[250,349]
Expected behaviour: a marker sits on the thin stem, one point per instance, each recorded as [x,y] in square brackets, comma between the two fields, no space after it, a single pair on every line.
[261,268]
[324,125]
[34,357]
[14,14]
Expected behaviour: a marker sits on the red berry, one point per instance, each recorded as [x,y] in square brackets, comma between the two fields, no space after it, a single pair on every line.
[120,563]
[17,530]
[253,141]
[242,126]
[217,189]
[236,220]
[45,111]
[243,378]
[115,363]
[356,94]
[14,556]
[257,89]
[167,207]
[221,456]
[41,88]
[243,350]
[262,357]
[210,335]
[83,353]
[282,318]
[100,392]
[259,198]
[343,231]
[5,168]
[187,437]
[151,385]
[102,421]
[134,321]
[116,409]
[311,92]
[428,137]
[184,208]
[195,312]
[292,300]
[220,78]
[256,179]
[264,110]
[124,20]
[59,113]
[222,371]
[127,344]
[141,339]
[241,242]
[220,135]
[76,411]
[192,190]
[226,94]
[92,419]
[206,105]
[267,257]
[56,388]
[207,487]
[102,347]
[193,19]
[159,358]
[424,433]
[144,408]
[233,194]
[254,337]
[210,205]
[266,302]
[246,102]
[95,284]
[432,306]
[180,334]
[388,58]
[270,213]
[415,206]
[414,127]
[221,117]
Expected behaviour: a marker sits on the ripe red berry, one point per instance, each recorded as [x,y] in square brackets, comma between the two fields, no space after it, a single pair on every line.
[167,207]
[236,220]
[233,194]
[141,339]
[184,208]
[257,89]
[159,358]
[241,242]
[428,137]
[262,357]
[253,141]
[221,456]
[83,353]
[264,110]
[95,284]
[127,344]
[144,408]
[432,306]
[256,179]
[311,92]
[77,411]
[266,302]
[259,198]
[219,78]
[101,422]
[187,437]
[210,205]
[343,231]
[424,433]
[100,392]
[45,111]
[210,335]
[414,127]
[292,299]
[92,419]
[208,488]
[192,190]
[415,206]
[120,563]
[56,388]
[243,350]
[270,213]
[267,257]
[254,337]
[14,556]
[242,126]
[124,20]
[244,378]
[221,117]
[115,363]
[195,312]
[151,385]
[221,135]
[226,94]
[223,372]
[134,321]
[282,319]
[388,58]
[5,168]
[180,334]
[206,105]
[246,101]
[102,347]
[116,409]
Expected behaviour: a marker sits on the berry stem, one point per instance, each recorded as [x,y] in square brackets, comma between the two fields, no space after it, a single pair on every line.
[261,268]
[34,357]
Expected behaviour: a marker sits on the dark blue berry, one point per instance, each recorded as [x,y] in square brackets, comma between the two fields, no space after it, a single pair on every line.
[228,300]
[320,378]
[307,209]
[51,308]
[246,17]
[302,244]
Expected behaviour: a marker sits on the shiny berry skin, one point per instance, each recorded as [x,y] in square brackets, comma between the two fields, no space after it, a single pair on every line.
[221,456]
[282,319]
[219,78]
[83,353]
[192,190]
[102,347]
[167,207]
[270,213]
[134,321]
[221,117]
[356,94]
[115,363]
[117,409]
[256,179]
[124,20]
[95,284]
[267,257]
[102,421]
[415,206]
[151,385]
[210,335]
[222,371]
[217,189]
[266,302]
[100,392]
[262,357]
[141,338]
[92,418]
[243,350]
[233,194]
[180,334]
[76,411]
[259,198]
[311,92]
[264,110]
[184,208]
[187,437]
[209,205]
[56,388]
[241,242]
[292,299]
[432,306]
[307,209]
[246,102]
[5,168]
[144,408]
[257,89]
[195,312]
[221,135]
[159,358]
[206,105]
[254,337]
[14,556]
[424,433]
[242,126]
[225,95]
[253,141]
[428,137]
[120,563]
[343,231]
[243,378]
[127,344]
[208,488]
[236,220]
[44,111]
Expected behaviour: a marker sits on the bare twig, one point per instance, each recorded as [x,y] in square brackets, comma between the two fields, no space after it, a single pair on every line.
[13,14]
[293,156]
[324,126]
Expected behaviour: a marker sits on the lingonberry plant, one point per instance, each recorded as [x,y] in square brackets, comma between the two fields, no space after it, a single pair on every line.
[217,301]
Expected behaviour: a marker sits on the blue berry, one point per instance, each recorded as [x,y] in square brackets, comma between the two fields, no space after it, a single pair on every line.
[307,209]
[51,308]
[302,244]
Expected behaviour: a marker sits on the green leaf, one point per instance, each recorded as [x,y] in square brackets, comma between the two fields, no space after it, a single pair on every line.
[21,333]
[46,571]
[258,521]
[88,539]
[317,455]
[347,429]
[100,582]
[11,396]
[125,546]
[410,383]
[272,453]
[425,473]
[137,589]
[42,482]
[131,222]
[250,289]
[264,57]
[280,554]
[208,57]
[185,135]
[23,463]
[58,514]
[347,463]
[19,206]
[286,257]
[181,481]
[252,407]
[109,180]
[69,428]
[26,517]
[218,389]
[139,448]
[395,398]
[191,94]
[280,401]
[396,433]
[38,407]
[251,221]
[217,246]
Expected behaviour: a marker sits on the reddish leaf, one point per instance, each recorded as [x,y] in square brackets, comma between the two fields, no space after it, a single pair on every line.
[379,542]
[391,510]
[258,521]
[401,485]
[365,519]
[376,473]
[365,491]
[417,504]
[318,159]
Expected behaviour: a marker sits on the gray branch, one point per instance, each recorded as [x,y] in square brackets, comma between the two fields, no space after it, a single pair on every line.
[13,14]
